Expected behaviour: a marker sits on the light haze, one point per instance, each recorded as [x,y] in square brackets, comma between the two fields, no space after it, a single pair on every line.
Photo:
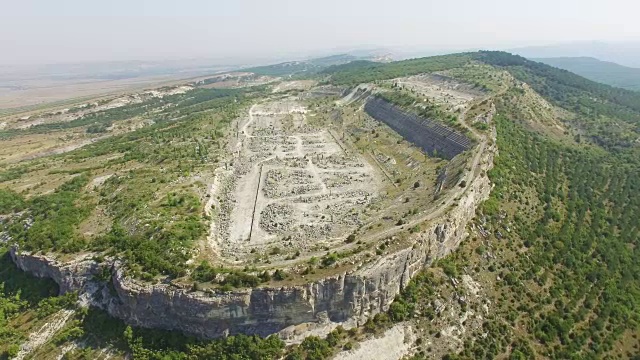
[47,31]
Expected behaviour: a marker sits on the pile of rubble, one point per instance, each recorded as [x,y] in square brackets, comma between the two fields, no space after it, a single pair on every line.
[366,196]
[295,162]
[335,161]
[280,183]
[277,218]
[227,204]
[339,179]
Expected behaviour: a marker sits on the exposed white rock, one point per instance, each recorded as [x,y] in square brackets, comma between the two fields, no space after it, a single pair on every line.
[354,295]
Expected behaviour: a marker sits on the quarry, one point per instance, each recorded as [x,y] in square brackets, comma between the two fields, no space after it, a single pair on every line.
[428,135]
[292,186]
[342,195]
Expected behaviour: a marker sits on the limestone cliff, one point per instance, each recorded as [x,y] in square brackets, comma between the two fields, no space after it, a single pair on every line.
[349,297]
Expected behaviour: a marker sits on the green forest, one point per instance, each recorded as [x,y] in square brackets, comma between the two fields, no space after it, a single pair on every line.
[576,276]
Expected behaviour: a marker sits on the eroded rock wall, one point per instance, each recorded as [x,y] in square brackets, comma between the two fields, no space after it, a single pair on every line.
[352,296]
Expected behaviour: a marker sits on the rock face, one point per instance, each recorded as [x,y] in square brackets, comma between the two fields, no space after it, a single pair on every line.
[352,296]
[431,136]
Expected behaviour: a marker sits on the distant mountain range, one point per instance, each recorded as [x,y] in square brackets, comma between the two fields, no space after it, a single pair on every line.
[597,70]
[623,53]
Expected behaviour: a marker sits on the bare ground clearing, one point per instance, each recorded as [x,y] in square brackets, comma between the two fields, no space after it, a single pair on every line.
[292,185]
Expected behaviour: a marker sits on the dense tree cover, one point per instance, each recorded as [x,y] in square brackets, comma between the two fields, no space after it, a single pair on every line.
[10,202]
[358,72]
[157,250]
[578,279]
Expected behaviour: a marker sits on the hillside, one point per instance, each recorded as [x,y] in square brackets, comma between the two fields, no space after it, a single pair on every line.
[606,115]
[304,67]
[601,71]
[522,244]
[563,278]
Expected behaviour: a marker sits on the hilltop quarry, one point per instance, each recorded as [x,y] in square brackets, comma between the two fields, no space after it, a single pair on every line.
[301,175]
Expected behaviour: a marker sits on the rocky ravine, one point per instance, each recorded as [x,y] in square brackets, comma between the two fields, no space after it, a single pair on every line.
[349,298]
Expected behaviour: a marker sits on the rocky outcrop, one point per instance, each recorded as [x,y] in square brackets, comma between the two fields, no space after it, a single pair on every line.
[72,276]
[352,296]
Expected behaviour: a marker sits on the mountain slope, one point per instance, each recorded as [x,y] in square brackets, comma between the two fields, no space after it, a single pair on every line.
[601,71]
[555,246]
[609,116]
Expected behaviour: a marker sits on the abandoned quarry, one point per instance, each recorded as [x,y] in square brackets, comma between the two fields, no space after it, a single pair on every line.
[255,205]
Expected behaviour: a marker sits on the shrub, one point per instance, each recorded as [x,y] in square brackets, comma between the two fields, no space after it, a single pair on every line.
[316,348]
[279,275]
[398,311]
[330,259]
[12,351]
[10,201]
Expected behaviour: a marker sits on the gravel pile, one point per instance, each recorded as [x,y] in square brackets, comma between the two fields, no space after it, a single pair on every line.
[277,219]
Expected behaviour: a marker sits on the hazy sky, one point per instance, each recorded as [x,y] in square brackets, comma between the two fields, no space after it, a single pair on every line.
[51,31]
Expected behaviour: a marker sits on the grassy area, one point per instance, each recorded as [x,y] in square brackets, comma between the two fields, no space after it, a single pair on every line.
[143,183]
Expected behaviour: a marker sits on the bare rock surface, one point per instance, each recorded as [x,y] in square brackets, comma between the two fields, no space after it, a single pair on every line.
[392,345]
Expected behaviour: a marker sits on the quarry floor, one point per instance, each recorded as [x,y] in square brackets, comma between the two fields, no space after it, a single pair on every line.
[296,189]
[293,186]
